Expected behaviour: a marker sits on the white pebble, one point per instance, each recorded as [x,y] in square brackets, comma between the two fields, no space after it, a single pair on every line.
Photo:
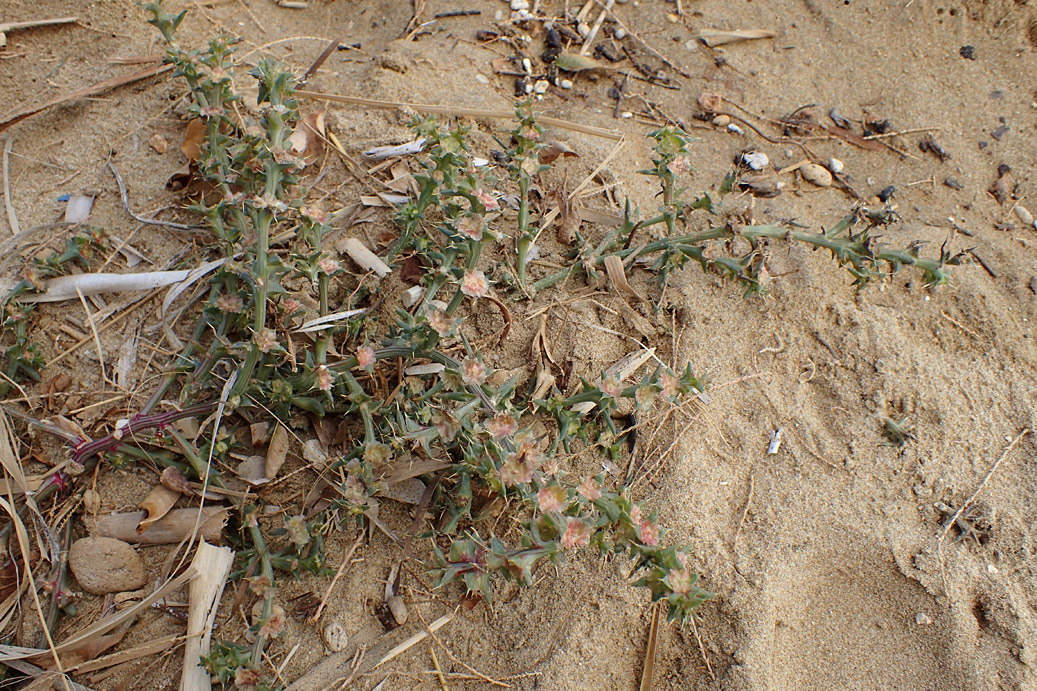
[626,115]
[757,160]
[335,637]
[735,128]
[566,83]
[1024,214]
[520,4]
[541,86]
[620,34]
[922,620]
[527,65]
[482,79]
[583,29]
[835,165]
[722,120]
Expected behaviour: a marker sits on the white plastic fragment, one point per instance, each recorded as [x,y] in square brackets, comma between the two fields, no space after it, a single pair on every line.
[78,208]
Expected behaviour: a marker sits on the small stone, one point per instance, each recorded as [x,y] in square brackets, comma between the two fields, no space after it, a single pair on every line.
[482,79]
[757,160]
[968,52]
[722,120]
[583,29]
[105,565]
[953,184]
[1024,214]
[735,128]
[566,83]
[91,502]
[158,143]
[836,166]
[887,194]
[816,175]
[991,569]
[540,87]
[626,115]
[1000,132]
[620,34]
[922,620]
[335,637]
[519,5]
[399,609]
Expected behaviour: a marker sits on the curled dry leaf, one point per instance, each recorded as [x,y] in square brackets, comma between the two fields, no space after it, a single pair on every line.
[552,149]
[173,479]
[193,138]
[276,452]
[307,139]
[173,527]
[157,504]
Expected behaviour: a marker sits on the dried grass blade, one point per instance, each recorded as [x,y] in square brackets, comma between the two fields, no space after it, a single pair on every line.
[321,323]
[717,37]
[157,504]
[189,279]
[618,277]
[415,639]
[648,672]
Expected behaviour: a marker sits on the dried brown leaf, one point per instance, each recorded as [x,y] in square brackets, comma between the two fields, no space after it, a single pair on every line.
[174,480]
[193,138]
[276,452]
[618,277]
[553,148]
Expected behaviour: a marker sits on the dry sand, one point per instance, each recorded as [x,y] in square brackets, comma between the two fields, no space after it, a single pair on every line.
[824,557]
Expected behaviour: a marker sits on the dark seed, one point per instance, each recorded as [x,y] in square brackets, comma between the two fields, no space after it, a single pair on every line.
[968,52]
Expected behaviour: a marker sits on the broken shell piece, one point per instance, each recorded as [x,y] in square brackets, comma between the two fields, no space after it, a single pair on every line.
[757,160]
[815,174]
[775,443]
[1024,214]
[78,208]
[835,165]
[335,637]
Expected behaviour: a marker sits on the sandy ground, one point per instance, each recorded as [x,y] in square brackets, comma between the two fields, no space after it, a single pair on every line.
[825,557]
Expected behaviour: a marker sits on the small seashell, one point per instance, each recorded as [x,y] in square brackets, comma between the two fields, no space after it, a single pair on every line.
[815,174]
[335,637]
[1024,214]
[835,165]
[722,120]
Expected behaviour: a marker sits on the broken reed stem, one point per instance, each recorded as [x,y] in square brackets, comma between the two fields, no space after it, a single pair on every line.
[12,217]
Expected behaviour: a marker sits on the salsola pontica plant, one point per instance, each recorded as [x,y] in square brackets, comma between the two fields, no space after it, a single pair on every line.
[478,440]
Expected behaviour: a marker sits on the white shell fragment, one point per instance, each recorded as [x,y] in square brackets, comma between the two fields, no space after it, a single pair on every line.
[835,165]
[815,174]
[757,160]
[78,208]
[775,443]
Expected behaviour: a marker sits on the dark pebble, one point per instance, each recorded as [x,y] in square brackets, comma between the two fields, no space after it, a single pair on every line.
[999,132]
[968,52]
[887,194]
[953,184]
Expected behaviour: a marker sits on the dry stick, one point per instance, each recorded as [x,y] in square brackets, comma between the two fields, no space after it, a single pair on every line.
[83,93]
[338,574]
[460,112]
[435,638]
[648,672]
[745,512]
[312,69]
[12,217]
[597,27]
[702,649]
[126,205]
[957,514]
[439,672]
